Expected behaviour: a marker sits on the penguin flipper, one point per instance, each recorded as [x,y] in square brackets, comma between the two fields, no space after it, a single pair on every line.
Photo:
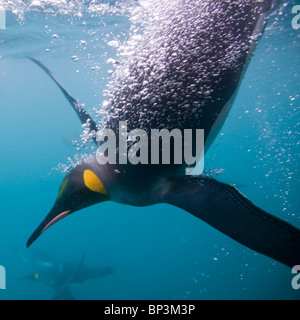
[81,113]
[226,209]
[65,295]
[64,292]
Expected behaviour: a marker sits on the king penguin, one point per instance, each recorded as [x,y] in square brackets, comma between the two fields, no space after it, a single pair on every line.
[184,72]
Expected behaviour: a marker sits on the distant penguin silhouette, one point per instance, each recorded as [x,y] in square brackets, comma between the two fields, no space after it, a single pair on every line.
[60,275]
[183,73]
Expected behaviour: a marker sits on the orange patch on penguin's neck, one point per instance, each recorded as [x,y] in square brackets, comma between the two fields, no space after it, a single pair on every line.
[93,182]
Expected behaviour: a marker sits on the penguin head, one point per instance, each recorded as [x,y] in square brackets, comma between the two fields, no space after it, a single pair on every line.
[36,277]
[81,188]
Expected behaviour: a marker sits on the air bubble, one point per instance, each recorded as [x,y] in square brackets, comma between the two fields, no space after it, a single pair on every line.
[75,58]
[113,44]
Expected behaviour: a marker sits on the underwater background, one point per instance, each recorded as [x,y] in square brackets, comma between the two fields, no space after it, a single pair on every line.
[158,252]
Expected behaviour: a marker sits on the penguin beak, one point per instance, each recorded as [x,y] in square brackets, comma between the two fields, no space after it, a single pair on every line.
[80,189]
[50,219]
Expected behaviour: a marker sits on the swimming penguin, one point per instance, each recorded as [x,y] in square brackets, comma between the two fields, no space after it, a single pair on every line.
[59,275]
[184,72]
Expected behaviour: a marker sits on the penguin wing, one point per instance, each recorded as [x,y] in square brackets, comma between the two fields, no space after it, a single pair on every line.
[64,291]
[81,113]
[65,295]
[226,209]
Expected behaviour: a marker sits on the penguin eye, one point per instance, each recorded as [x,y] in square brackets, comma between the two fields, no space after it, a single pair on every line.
[93,182]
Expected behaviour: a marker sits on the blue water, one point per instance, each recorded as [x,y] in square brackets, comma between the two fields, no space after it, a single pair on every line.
[159,252]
